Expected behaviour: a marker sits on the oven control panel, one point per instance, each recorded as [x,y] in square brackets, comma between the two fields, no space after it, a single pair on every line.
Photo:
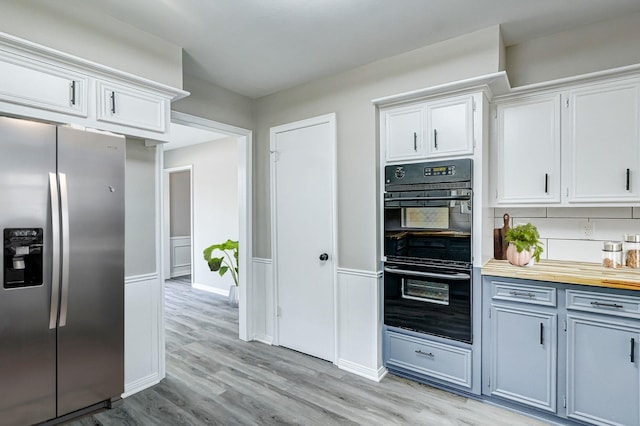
[440,171]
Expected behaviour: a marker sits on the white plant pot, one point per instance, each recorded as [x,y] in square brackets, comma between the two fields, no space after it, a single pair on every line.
[523,258]
[234,296]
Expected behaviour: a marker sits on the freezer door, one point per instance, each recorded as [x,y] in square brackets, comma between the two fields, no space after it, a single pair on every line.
[91,325]
[27,343]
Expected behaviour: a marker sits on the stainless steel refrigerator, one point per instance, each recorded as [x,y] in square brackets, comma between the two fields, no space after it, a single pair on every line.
[62,272]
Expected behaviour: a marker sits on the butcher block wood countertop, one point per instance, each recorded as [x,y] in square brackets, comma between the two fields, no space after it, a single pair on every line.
[592,274]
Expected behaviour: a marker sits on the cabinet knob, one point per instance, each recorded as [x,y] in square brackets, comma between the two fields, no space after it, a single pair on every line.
[323,257]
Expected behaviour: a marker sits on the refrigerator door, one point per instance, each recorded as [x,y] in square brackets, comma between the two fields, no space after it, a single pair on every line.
[27,343]
[91,324]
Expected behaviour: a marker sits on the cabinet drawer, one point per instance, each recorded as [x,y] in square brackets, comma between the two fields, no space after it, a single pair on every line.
[531,294]
[444,362]
[603,303]
[127,106]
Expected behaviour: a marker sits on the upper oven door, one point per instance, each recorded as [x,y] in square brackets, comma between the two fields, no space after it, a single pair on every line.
[434,224]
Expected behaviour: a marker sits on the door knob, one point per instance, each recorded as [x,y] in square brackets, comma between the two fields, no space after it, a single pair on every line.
[324,256]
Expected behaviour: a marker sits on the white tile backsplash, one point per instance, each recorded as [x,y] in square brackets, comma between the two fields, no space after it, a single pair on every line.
[590,212]
[575,233]
[577,250]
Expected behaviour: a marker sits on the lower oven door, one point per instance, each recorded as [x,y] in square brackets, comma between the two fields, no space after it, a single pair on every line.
[431,301]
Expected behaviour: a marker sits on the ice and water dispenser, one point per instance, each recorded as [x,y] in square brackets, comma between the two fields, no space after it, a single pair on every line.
[22,257]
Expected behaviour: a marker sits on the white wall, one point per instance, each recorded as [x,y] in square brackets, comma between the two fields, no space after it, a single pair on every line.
[215,201]
[101,39]
[215,103]
[349,94]
[600,46]
[139,223]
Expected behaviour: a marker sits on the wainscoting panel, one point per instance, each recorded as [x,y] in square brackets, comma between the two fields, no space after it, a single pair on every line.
[142,295]
[360,323]
[180,256]
[263,300]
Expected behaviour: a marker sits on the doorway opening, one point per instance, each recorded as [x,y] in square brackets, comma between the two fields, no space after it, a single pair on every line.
[178,223]
[242,190]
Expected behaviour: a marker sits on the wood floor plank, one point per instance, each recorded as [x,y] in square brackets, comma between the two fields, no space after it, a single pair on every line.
[213,378]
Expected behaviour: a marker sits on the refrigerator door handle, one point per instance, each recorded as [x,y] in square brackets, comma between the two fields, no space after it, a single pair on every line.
[55,265]
[64,201]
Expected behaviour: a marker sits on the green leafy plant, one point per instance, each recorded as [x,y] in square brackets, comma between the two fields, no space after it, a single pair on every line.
[227,262]
[525,237]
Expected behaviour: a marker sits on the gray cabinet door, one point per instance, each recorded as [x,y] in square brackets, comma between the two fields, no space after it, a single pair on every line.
[523,356]
[603,378]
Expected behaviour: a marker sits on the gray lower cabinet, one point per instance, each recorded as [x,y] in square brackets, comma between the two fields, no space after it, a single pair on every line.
[603,378]
[523,356]
[406,353]
[522,342]
[548,343]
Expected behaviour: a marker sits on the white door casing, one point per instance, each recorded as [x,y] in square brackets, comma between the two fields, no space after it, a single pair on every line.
[303,227]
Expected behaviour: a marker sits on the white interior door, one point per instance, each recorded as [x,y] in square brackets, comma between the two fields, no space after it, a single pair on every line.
[303,157]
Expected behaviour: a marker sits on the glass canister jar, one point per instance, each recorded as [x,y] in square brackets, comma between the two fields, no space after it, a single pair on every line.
[632,250]
[612,254]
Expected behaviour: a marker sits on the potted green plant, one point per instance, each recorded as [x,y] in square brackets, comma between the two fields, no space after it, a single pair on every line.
[228,261]
[524,244]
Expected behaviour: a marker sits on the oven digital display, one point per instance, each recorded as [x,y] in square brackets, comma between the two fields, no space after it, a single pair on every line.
[440,171]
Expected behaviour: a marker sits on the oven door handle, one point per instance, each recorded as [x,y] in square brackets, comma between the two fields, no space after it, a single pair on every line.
[458,276]
[443,198]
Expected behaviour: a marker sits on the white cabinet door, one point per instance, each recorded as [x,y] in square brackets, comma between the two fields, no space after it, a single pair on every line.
[603,376]
[528,150]
[604,153]
[450,126]
[128,106]
[403,130]
[36,84]
[524,355]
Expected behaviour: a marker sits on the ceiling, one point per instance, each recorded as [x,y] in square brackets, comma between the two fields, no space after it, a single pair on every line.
[258,47]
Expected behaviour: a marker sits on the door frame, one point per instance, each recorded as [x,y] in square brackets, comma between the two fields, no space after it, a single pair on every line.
[166,217]
[329,119]
[244,139]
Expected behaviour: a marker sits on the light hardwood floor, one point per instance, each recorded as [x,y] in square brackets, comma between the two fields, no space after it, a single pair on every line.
[215,379]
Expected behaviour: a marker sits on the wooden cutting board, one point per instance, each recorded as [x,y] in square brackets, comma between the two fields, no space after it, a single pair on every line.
[499,242]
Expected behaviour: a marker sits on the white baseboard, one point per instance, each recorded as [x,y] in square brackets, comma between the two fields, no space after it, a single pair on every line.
[367,373]
[141,384]
[210,289]
[263,338]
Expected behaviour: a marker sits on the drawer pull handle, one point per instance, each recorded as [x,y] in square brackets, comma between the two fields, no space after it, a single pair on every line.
[542,333]
[522,294]
[415,141]
[633,350]
[607,305]
[429,354]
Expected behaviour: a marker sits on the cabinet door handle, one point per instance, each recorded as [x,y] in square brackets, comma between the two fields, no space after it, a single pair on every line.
[415,141]
[628,179]
[113,102]
[429,354]
[546,183]
[633,350]
[522,294]
[541,333]
[72,88]
[435,138]
[607,305]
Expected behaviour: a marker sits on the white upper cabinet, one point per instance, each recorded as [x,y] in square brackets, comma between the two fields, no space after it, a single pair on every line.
[403,132]
[450,127]
[528,150]
[45,84]
[603,143]
[34,83]
[131,107]
[431,129]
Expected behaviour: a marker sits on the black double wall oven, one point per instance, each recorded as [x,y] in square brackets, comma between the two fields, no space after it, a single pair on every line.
[427,244]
